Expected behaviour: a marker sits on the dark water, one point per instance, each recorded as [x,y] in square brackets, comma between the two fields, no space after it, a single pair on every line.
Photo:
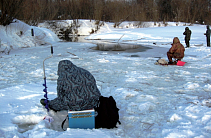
[80,39]
[113,47]
[69,39]
[107,45]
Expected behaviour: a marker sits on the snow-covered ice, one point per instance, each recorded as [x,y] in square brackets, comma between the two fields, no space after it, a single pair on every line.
[154,101]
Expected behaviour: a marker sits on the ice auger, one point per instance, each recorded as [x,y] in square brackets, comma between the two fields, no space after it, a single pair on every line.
[45,89]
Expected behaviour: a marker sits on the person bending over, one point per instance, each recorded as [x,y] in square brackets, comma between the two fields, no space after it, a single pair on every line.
[76,89]
[176,51]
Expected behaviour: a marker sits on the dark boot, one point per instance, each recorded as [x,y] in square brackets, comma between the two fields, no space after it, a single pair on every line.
[170,63]
[42,101]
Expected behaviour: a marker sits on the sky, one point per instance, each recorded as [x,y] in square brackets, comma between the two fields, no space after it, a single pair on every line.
[154,101]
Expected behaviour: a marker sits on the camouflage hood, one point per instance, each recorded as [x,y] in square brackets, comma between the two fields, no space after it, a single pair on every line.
[176,40]
[64,67]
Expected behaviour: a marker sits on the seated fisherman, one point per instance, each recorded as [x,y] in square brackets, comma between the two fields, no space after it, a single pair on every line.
[176,51]
[76,89]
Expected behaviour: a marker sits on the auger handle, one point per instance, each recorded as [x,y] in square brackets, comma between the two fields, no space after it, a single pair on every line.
[46,59]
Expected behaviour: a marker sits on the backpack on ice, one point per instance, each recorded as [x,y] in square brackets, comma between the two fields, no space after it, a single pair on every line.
[161,62]
[108,113]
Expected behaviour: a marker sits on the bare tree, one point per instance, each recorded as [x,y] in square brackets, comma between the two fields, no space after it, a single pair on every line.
[33,11]
[9,10]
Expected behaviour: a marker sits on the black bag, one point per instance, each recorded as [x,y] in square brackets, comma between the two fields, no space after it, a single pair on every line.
[108,115]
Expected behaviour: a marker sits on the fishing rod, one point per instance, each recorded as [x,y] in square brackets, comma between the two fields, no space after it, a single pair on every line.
[45,89]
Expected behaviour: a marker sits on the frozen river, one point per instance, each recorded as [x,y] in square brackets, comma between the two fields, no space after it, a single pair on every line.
[154,101]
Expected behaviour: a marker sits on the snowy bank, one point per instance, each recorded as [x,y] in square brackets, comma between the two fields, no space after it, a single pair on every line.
[19,35]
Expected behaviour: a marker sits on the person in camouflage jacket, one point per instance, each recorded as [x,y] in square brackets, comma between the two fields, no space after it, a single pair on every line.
[187,34]
[76,89]
[176,51]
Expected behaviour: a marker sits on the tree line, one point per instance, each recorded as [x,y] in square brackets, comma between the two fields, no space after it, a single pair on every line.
[34,11]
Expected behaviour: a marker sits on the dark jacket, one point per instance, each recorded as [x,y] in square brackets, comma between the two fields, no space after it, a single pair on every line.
[208,31]
[76,88]
[187,34]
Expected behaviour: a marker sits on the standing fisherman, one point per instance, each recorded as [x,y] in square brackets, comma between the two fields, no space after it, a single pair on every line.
[187,34]
[208,35]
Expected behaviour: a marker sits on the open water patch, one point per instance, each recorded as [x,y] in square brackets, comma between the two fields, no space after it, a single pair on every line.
[115,47]
[131,48]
